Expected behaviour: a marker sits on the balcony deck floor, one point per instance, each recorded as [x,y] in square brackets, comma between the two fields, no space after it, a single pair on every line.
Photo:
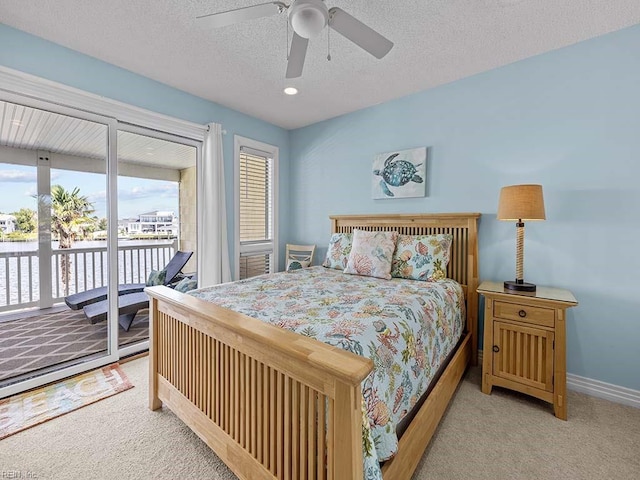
[46,340]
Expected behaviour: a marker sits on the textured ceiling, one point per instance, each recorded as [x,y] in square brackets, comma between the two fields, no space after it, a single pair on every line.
[243,66]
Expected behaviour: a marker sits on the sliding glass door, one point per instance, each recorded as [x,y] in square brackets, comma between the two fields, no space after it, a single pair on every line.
[157,201]
[89,208]
[56,280]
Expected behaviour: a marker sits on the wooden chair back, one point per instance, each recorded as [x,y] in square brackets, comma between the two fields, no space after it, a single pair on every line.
[301,253]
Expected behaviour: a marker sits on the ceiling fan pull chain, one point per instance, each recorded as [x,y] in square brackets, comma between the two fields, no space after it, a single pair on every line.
[329,44]
[287,39]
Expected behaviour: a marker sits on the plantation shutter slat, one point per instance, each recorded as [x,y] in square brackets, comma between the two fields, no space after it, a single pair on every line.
[251,266]
[256,215]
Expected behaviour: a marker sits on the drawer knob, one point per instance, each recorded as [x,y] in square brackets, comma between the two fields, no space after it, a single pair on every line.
[522,313]
[496,348]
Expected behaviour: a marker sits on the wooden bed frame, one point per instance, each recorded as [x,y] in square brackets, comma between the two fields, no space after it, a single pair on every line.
[273,404]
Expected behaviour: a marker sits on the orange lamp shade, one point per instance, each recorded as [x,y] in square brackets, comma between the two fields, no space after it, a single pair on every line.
[521,203]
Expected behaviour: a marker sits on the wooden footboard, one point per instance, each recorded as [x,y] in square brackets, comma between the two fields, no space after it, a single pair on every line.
[270,403]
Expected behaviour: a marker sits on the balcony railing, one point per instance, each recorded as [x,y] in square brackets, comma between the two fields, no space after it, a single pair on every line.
[19,280]
[87,268]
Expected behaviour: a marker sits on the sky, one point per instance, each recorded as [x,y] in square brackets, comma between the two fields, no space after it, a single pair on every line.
[135,195]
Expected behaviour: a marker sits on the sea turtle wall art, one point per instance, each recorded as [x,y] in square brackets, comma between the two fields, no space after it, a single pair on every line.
[400,174]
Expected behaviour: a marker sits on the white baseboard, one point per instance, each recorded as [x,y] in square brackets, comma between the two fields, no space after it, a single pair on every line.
[596,388]
[608,391]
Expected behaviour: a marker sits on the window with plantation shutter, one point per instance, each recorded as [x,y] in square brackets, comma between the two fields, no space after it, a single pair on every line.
[255,209]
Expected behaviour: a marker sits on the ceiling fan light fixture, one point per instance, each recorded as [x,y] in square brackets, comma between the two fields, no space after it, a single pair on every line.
[308,17]
[290,90]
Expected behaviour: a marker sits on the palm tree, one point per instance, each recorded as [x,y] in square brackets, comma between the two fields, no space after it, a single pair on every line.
[70,215]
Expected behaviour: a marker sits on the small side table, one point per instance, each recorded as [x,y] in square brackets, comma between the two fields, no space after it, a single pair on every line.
[524,346]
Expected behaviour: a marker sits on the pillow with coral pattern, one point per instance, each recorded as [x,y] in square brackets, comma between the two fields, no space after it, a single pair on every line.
[422,257]
[338,252]
[371,254]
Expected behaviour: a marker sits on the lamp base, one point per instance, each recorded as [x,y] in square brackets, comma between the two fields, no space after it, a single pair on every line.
[519,286]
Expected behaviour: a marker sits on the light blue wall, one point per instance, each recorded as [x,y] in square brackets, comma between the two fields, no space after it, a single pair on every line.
[570,120]
[31,54]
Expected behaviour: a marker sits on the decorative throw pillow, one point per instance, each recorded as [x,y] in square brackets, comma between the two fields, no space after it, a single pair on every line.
[156,277]
[297,264]
[339,250]
[371,254]
[422,257]
[186,284]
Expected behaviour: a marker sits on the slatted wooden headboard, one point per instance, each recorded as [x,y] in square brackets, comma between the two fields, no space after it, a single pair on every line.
[463,264]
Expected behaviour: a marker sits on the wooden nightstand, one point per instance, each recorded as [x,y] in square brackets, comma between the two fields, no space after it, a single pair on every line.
[524,342]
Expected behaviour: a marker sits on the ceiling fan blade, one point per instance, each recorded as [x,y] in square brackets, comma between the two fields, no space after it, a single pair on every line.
[238,15]
[360,34]
[296,56]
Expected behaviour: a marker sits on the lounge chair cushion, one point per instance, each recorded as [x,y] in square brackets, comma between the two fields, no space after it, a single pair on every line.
[157,277]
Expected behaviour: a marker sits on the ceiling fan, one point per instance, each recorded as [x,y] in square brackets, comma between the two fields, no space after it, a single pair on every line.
[307,18]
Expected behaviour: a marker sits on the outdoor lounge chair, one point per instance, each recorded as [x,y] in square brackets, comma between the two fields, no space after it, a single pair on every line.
[128,307]
[80,300]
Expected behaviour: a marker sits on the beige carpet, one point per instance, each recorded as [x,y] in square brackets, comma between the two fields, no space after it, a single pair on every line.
[501,436]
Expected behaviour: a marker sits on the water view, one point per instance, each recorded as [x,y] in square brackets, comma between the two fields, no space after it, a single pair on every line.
[91,244]
[87,267]
[79,250]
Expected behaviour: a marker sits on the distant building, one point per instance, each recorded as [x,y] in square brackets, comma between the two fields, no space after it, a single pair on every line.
[7,223]
[123,224]
[158,222]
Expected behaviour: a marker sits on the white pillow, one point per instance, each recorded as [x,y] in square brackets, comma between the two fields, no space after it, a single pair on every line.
[371,254]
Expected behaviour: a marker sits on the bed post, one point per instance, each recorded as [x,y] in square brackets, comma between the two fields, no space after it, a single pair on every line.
[347,434]
[334,225]
[154,401]
[472,285]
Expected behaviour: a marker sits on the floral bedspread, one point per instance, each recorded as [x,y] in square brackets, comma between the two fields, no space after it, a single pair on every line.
[406,327]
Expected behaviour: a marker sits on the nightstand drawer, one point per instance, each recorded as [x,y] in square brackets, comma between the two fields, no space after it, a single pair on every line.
[525,313]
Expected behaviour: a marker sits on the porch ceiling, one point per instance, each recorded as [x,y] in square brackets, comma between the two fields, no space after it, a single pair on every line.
[34,129]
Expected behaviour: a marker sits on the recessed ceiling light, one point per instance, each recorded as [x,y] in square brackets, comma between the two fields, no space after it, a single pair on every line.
[290,90]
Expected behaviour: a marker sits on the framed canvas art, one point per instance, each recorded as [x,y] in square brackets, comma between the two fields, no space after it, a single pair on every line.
[400,174]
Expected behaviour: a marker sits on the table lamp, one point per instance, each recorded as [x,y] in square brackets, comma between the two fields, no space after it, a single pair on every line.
[520,203]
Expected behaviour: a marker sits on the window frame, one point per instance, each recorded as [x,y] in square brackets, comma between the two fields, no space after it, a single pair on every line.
[273,153]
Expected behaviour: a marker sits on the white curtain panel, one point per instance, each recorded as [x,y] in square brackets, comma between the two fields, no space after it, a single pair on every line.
[214,249]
